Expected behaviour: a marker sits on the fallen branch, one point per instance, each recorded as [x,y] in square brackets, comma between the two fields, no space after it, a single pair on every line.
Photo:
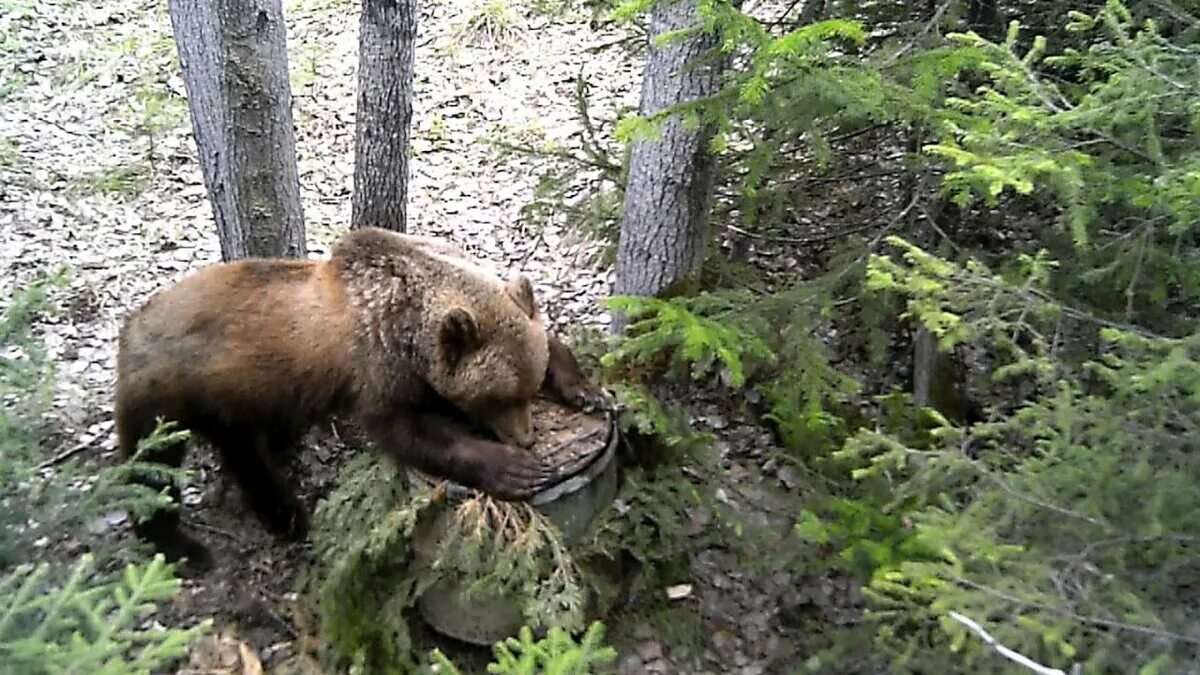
[65,455]
[1090,620]
[1005,651]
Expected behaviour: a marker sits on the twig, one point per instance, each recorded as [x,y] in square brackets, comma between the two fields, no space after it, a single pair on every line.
[1005,651]
[201,525]
[591,145]
[1135,278]
[267,600]
[540,239]
[562,154]
[860,174]
[60,127]
[1174,12]
[929,218]
[794,240]
[853,134]
[66,454]
[283,623]
[783,15]
[1082,315]
[891,224]
[638,36]
[929,26]
[826,237]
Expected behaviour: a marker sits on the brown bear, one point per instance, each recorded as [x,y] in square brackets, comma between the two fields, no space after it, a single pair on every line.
[404,334]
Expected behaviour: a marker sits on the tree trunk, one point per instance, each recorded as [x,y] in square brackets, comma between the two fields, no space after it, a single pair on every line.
[235,69]
[813,11]
[664,232]
[387,29]
[983,16]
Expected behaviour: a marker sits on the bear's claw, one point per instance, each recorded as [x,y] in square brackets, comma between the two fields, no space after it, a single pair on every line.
[521,474]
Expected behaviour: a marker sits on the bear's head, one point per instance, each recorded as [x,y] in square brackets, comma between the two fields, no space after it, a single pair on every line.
[492,357]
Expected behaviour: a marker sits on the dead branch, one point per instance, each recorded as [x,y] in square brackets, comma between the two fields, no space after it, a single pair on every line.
[1090,620]
[1005,651]
[66,454]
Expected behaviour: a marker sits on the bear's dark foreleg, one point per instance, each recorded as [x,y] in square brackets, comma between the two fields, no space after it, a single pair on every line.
[566,382]
[249,454]
[443,448]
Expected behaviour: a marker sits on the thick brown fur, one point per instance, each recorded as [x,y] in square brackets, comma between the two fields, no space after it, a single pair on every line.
[404,334]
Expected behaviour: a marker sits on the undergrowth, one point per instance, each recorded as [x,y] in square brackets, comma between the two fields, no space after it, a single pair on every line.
[558,654]
[1062,520]
[57,615]
[381,545]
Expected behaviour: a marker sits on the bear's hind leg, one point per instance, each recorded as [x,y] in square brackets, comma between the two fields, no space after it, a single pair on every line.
[249,454]
[161,528]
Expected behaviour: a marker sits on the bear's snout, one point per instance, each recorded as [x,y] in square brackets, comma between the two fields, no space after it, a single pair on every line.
[513,426]
[526,440]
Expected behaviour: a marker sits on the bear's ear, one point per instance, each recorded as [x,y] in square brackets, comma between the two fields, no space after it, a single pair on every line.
[520,290]
[458,335]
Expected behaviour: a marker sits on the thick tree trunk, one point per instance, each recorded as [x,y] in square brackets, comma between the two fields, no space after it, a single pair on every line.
[387,29]
[235,69]
[664,233]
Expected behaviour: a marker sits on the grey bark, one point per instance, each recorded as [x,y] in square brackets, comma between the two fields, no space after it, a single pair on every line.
[937,378]
[813,11]
[664,231]
[387,30]
[235,70]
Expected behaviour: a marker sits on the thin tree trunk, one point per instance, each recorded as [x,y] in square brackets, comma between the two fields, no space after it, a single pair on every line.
[813,11]
[664,233]
[983,16]
[387,29]
[235,69]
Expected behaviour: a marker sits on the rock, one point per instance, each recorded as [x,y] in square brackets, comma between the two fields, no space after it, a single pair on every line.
[98,526]
[656,666]
[725,644]
[631,664]
[650,651]
[789,476]
[679,591]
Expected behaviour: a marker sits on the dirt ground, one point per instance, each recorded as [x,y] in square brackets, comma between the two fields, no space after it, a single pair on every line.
[98,174]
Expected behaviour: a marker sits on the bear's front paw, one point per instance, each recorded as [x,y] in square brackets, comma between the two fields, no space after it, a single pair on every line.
[516,475]
[594,400]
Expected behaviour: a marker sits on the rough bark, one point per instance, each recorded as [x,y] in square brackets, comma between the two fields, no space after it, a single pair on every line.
[664,232]
[387,29]
[235,69]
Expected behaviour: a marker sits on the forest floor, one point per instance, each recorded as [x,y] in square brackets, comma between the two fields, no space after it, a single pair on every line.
[98,175]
